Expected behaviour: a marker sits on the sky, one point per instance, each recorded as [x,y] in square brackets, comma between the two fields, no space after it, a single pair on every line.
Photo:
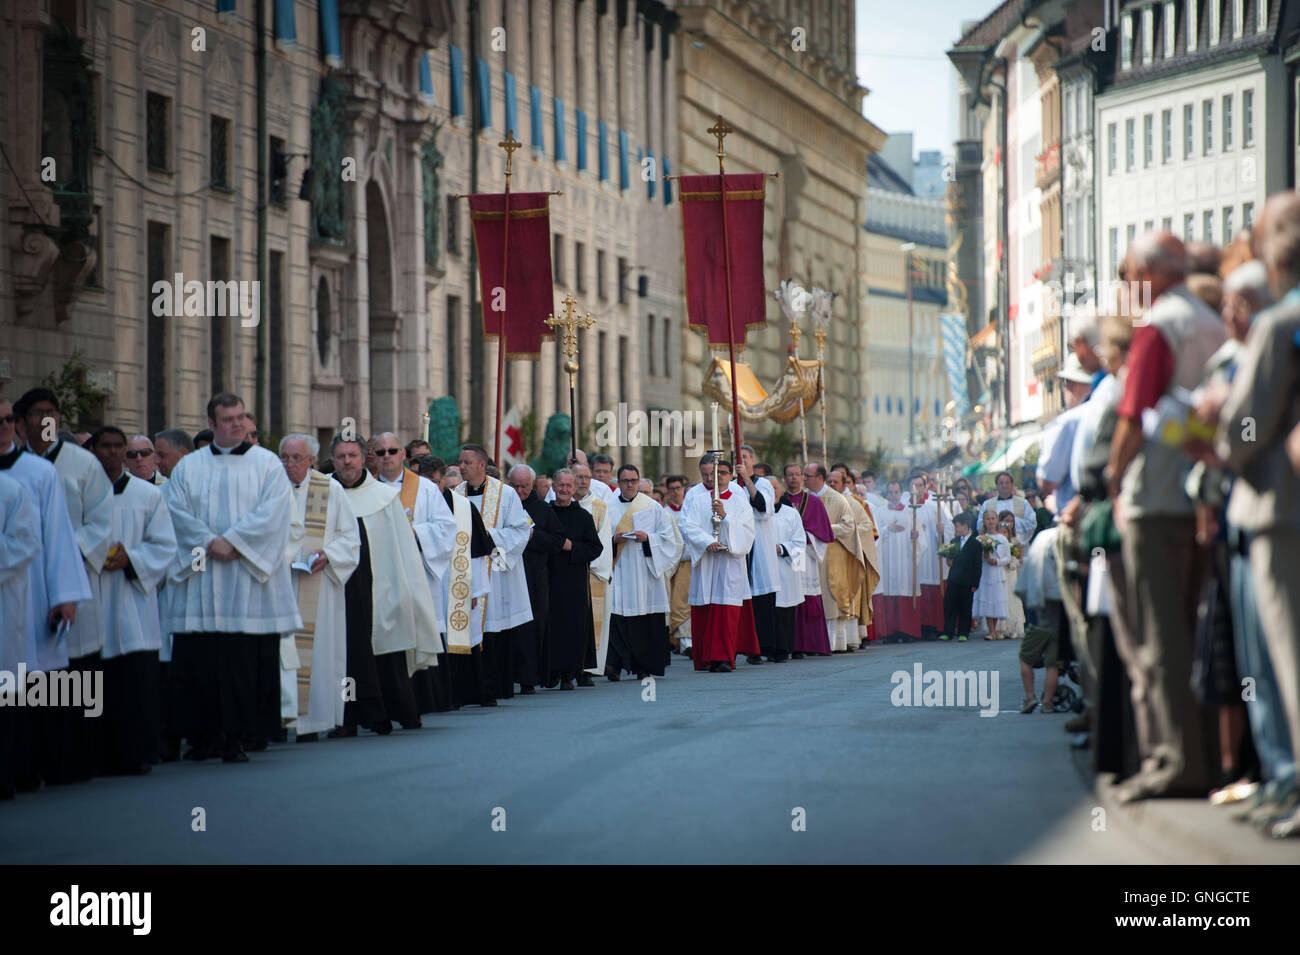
[901,46]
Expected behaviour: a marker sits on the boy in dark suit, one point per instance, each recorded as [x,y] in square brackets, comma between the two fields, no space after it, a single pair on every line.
[963,577]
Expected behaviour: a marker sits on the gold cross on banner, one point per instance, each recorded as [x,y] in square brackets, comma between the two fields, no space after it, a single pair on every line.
[570,323]
[509,144]
[719,130]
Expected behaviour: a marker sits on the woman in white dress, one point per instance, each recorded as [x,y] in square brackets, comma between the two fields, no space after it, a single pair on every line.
[991,596]
[1013,627]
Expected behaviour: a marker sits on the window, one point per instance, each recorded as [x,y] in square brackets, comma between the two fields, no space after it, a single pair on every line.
[1069,113]
[1227,121]
[1247,214]
[1216,21]
[1166,135]
[279,339]
[1189,227]
[324,320]
[600,273]
[1227,224]
[157,262]
[1207,127]
[453,343]
[1261,16]
[158,132]
[557,258]
[1193,28]
[1129,145]
[219,153]
[1167,30]
[1112,148]
[1187,131]
[279,171]
[600,368]
[668,338]
[1126,42]
[1148,137]
[453,226]
[1130,235]
[1238,21]
[1148,34]
[1149,225]
[579,258]
[622,365]
[218,271]
[650,345]
[1247,118]
[1167,224]
[1207,225]
[622,272]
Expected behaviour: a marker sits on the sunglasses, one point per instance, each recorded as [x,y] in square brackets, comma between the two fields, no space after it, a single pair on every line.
[138,454]
[381,452]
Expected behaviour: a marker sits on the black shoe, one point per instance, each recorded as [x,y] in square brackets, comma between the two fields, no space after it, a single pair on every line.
[713,667]
[585,679]
[755,658]
[383,728]
[725,667]
[342,732]
[200,753]
[611,675]
[406,725]
[642,676]
[171,751]
[566,684]
[282,736]
[308,737]
[140,769]
[235,755]
[257,745]
[527,690]
[796,656]
[488,703]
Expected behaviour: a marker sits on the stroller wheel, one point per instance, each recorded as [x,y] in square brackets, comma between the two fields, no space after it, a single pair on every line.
[1066,699]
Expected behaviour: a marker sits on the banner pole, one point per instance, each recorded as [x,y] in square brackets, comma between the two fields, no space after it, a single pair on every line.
[719,130]
[509,144]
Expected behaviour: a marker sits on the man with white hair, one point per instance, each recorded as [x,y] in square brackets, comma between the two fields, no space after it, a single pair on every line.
[1160,563]
[531,651]
[435,531]
[142,459]
[1053,470]
[169,447]
[1085,336]
[323,551]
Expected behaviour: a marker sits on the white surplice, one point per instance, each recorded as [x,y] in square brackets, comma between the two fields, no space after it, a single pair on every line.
[86,490]
[20,546]
[1025,518]
[341,544]
[244,496]
[895,550]
[435,530]
[639,582]
[58,575]
[503,514]
[128,605]
[721,577]
[788,532]
[764,562]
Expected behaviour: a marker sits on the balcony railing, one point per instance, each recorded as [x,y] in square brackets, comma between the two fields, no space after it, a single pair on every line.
[1049,166]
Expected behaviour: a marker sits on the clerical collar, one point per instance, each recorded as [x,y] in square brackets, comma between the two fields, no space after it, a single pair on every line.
[240,448]
[472,491]
[1007,498]
[622,499]
[383,480]
[725,495]
[359,481]
[123,480]
[7,460]
[51,452]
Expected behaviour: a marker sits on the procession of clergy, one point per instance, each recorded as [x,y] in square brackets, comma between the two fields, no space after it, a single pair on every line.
[245,594]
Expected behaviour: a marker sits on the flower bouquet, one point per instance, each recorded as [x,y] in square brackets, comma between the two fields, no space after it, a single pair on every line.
[1017,550]
[987,543]
[949,549]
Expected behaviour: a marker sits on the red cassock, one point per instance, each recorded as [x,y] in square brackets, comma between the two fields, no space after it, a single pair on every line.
[897,615]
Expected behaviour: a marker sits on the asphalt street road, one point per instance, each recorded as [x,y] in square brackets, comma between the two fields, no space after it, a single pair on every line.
[714,769]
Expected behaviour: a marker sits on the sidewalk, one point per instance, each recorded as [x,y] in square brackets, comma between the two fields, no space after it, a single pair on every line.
[1195,829]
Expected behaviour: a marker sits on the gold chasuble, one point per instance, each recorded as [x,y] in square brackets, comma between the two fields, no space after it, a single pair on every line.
[313,540]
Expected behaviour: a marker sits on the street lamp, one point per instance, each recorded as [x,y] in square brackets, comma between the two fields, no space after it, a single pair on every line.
[907,248]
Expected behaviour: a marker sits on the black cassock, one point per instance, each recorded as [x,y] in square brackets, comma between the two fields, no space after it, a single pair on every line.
[469,681]
[383,690]
[571,633]
[530,646]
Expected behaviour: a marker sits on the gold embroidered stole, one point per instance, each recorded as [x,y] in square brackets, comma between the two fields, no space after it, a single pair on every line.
[626,526]
[410,491]
[458,592]
[313,539]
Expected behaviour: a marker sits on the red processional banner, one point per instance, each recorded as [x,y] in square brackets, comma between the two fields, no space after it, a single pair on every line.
[525,296]
[705,258]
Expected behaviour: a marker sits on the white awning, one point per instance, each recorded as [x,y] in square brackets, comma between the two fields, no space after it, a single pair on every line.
[1013,453]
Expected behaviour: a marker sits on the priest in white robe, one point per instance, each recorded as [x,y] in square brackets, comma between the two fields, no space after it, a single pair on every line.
[323,552]
[719,577]
[507,607]
[435,531]
[679,586]
[864,529]
[592,499]
[762,557]
[20,546]
[141,552]
[929,573]
[791,542]
[898,596]
[56,585]
[645,545]
[392,628]
[1009,500]
[231,506]
[843,567]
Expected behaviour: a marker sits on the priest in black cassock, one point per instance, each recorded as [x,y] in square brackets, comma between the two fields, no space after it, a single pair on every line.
[572,632]
[530,650]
